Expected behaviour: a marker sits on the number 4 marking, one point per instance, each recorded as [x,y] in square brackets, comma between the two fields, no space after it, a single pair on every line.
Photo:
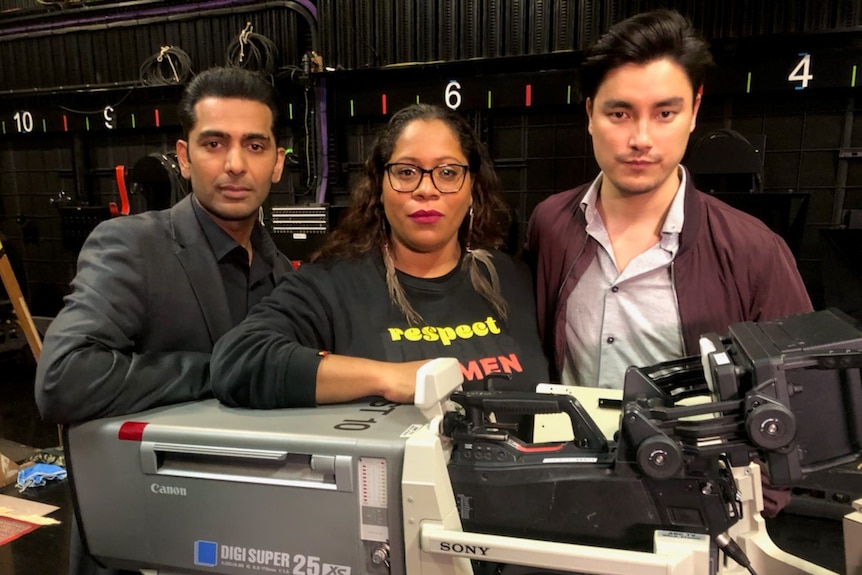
[801,73]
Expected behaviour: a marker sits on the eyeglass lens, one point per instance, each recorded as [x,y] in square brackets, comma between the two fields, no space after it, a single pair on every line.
[447,178]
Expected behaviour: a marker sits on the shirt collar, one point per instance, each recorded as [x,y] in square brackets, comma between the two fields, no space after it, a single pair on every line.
[672,222]
[676,214]
[222,244]
[588,203]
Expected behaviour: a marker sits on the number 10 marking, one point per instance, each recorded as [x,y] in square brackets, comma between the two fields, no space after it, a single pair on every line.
[801,73]
[24,119]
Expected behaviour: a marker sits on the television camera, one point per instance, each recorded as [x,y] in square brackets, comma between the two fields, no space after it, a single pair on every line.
[372,489]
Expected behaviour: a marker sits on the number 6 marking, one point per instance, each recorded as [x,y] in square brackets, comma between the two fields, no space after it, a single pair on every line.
[452,96]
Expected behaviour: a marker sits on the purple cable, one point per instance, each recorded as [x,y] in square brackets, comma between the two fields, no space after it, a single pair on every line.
[143,13]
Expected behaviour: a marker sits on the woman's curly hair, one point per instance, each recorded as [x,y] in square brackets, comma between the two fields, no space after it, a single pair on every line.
[363,227]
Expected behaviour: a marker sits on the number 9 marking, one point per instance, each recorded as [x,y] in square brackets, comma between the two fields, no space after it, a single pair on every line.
[108,114]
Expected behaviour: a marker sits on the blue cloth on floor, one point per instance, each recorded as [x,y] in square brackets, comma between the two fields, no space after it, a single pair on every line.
[36,475]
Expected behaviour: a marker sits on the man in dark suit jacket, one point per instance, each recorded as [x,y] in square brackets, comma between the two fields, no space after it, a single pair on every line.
[155,291]
[147,306]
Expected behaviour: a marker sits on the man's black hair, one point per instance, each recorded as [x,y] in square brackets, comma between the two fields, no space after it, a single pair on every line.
[227,83]
[644,38]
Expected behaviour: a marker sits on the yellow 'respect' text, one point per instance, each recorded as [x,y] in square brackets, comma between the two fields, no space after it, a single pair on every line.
[446,335]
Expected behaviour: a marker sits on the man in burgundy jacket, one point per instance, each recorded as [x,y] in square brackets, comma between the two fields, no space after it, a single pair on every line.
[634,266]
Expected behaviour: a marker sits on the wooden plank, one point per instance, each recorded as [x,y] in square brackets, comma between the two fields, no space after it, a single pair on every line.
[13,290]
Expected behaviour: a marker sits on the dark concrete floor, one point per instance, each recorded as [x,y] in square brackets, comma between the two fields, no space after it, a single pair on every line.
[45,551]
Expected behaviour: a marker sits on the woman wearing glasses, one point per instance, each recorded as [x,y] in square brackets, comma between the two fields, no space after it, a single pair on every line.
[412,273]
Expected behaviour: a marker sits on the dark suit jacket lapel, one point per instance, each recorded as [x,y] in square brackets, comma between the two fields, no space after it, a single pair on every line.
[195,255]
[279,262]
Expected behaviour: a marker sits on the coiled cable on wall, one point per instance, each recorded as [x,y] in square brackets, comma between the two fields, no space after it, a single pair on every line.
[252,51]
[170,66]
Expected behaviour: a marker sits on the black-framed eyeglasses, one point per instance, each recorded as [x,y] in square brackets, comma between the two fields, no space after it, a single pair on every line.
[447,178]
